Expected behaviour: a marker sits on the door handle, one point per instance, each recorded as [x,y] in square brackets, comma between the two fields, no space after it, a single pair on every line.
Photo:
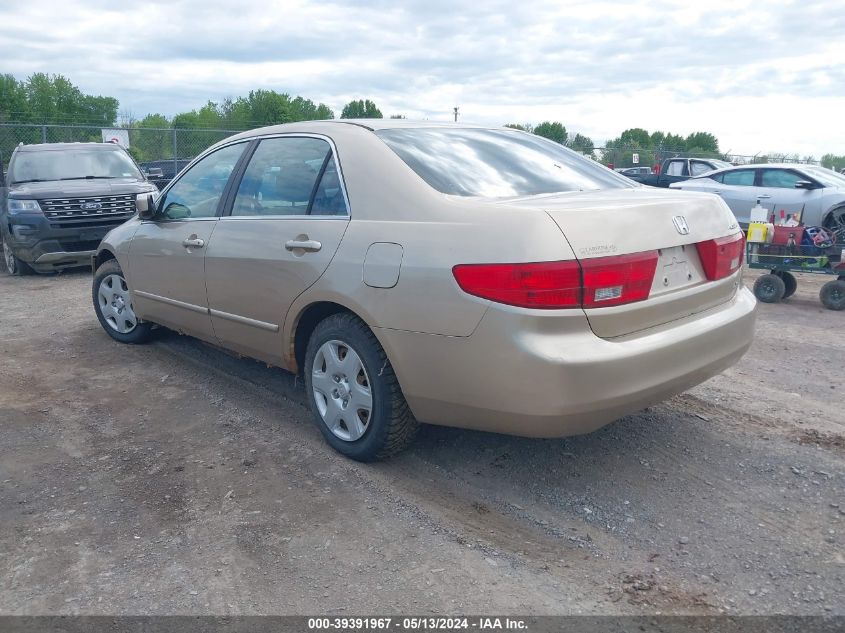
[764,196]
[311,246]
[193,243]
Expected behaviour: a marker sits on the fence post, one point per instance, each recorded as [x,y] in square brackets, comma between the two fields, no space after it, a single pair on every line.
[43,133]
[175,154]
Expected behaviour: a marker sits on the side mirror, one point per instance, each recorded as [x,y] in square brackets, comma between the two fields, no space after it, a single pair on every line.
[805,184]
[145,205]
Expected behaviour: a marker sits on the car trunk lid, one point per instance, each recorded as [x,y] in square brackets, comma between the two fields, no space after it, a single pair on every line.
[609,224]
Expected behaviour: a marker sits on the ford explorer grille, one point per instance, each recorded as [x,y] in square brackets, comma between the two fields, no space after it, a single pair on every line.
[105,209]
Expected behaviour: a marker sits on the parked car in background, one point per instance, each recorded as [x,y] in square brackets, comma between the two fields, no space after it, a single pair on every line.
[678,169]
[819,191]
[58,200]
[161,172]
[634,171]
[421,272]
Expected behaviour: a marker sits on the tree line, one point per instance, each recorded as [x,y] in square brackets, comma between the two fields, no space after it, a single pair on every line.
[53,99]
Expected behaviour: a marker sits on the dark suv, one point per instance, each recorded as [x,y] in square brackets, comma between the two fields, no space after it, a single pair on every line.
[59,199]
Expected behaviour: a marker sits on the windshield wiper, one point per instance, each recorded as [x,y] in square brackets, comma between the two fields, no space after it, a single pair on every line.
[89,178]
[20,182]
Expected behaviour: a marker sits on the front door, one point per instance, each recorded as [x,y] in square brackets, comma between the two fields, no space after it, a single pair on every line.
[286,219]
[167,254]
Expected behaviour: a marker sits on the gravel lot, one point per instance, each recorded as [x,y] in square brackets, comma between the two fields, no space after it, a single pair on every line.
[174,478]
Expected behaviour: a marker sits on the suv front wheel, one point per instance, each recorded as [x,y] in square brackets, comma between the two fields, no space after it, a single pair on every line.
[113,305]
[14,266]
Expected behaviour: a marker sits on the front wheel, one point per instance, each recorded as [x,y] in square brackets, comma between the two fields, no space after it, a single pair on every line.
[353,391]
[113,305]
[14,266]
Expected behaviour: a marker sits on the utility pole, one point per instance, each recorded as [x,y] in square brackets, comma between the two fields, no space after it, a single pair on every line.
[455,110]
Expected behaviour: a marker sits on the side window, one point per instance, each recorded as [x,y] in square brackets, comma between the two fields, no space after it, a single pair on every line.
[329,197]
[782,178]
[698,168]
[282,176]
[197,192]
[717,177]
[675,168]
[740,177]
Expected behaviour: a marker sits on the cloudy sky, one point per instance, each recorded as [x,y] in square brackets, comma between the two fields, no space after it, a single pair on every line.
[762,75]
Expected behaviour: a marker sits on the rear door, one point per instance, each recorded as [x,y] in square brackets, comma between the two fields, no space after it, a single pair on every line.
[739,192]
[167,254]
[283,224]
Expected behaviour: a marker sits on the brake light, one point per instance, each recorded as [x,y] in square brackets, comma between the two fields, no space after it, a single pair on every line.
[722,256]
[536,285]
[592,283]
[612,281]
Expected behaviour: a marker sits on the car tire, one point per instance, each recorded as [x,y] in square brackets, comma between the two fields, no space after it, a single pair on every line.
[769,288]
[353,391]
[790,283]
[113,305]
[12,264]
[832,295]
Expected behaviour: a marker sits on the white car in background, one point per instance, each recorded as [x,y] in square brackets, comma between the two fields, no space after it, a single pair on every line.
[818,193]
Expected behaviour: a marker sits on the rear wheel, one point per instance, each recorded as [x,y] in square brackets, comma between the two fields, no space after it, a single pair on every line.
[353,392]
[113,305]
[14,266]
[790,283]
[769,288]
[832,295]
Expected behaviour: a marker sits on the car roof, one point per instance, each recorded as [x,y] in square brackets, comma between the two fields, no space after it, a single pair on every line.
[323,125]
[53,147]
[768,166]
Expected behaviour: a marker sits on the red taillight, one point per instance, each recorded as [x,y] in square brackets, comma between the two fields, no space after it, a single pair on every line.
[722,256]
[540,285]
[612,281]
[592,283]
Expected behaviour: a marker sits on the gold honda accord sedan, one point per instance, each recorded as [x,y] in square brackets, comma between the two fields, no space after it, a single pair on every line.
[466,276]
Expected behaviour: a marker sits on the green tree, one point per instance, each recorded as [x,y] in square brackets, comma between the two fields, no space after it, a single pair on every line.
[580,143]
[702,141]
[361,109]
[14,105]
[833,161]
[54,99]
[554,131]
[525,127]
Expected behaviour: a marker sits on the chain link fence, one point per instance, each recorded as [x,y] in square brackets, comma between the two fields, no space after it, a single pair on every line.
[625,157]
[163,152]
[160,152]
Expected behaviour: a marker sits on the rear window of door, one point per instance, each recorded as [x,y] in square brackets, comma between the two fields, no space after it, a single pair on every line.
[740,177]
[290,176]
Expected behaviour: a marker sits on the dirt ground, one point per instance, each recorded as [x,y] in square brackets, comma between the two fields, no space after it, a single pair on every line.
[173,478]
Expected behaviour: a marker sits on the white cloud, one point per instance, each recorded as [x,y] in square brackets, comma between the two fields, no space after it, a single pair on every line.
[759,75]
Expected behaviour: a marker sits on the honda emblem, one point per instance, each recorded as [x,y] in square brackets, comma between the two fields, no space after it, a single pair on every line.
[681,224]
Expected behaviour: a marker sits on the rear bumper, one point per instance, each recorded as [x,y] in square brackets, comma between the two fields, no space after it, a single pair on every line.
[530,374]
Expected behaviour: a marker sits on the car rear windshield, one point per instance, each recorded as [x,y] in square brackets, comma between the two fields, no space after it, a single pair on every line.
[496,163]
[71,164]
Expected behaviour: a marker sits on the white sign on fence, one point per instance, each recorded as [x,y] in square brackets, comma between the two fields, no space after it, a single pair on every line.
[116,135]
[635,158]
